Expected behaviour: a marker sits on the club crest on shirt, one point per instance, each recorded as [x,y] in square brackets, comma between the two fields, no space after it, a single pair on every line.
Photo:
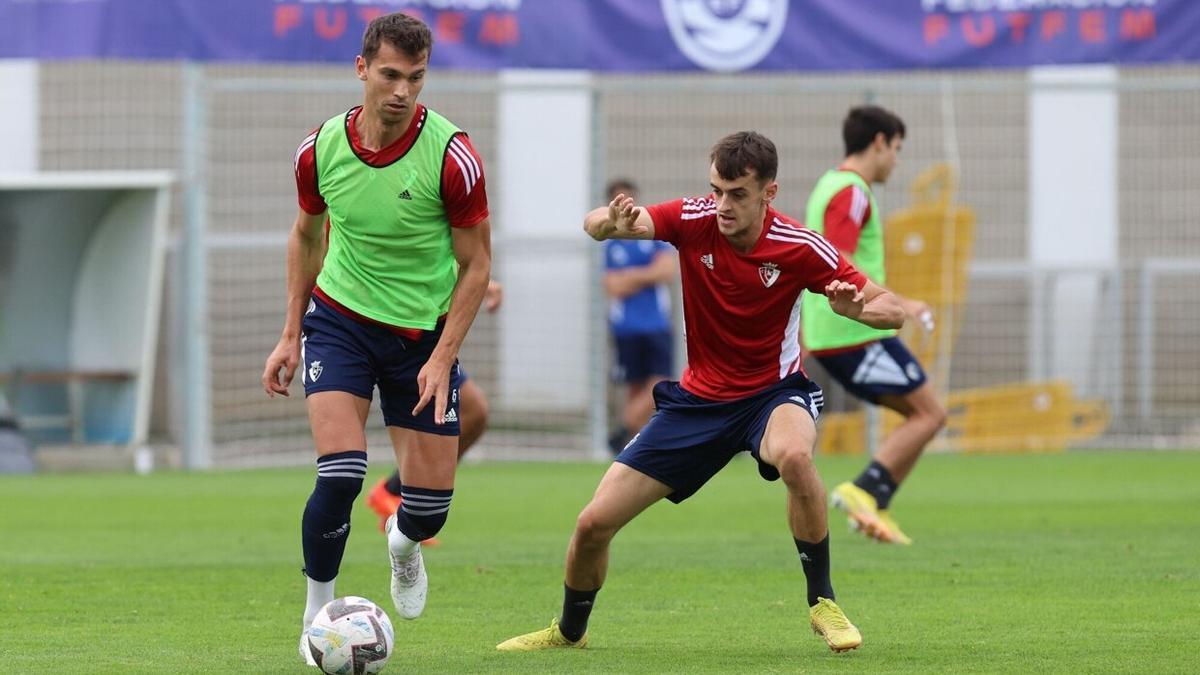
[769,273]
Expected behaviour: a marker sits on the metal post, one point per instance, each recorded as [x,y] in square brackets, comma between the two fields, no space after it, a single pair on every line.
[1146,343]
[950,147]
[598,373]
[197,387]
[1117,396]
[1037,326]
[1049,300]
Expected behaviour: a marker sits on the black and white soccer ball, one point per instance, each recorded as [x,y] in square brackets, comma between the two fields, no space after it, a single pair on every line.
[351,636]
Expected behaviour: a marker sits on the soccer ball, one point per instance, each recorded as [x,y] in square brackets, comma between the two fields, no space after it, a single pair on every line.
[351,635]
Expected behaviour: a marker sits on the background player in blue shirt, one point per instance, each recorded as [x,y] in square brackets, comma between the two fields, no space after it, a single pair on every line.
[636,278]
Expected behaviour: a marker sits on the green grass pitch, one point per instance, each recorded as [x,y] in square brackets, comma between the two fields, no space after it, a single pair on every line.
[1077,562]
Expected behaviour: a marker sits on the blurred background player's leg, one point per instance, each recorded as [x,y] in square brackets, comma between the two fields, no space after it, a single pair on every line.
[876,486]
[645,360]
[924,416]
[639,406]
[885,373]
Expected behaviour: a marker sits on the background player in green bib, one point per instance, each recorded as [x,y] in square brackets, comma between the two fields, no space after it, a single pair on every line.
[382,298]
[874,365]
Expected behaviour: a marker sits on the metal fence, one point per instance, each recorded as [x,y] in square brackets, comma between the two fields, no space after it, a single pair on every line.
[232,131]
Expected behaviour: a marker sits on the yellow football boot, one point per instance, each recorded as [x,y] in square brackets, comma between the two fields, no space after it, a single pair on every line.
[546,638]
[860,506]
[898,536]
[829,622]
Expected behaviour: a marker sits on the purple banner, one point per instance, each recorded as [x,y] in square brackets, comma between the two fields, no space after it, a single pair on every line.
[622,35]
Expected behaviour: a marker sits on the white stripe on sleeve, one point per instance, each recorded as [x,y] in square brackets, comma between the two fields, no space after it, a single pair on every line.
[468,181]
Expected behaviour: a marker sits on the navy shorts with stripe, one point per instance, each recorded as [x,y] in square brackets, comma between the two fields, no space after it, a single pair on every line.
[644,355]
[689,439]
[341,354]
[883,368]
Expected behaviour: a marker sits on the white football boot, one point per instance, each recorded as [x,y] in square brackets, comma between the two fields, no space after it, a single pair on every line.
[305,652]
[409,582]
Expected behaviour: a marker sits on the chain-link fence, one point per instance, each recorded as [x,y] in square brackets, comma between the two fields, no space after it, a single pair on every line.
[233,130]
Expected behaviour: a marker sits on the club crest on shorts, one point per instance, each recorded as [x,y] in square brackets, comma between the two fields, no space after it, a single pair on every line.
[913,371]
[769,273]
[314,370]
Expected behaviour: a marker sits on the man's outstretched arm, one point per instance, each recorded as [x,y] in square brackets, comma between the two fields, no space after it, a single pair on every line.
[873,306]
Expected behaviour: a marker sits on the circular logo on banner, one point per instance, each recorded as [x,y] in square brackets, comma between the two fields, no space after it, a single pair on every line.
[725,35]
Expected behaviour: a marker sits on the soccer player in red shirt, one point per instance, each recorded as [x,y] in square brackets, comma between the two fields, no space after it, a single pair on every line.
[744,268]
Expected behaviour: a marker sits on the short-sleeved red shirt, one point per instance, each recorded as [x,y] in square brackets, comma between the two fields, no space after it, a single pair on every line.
[742,311]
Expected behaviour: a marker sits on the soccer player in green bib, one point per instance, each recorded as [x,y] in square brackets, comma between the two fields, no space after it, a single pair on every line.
[382,297]
[873,365]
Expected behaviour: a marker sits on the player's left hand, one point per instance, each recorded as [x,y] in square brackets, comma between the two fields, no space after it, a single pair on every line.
[623,215]
[433,384]
[845,299]
[922,312]
[493,296]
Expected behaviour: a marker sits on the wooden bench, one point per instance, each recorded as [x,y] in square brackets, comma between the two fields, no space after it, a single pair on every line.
[13,381]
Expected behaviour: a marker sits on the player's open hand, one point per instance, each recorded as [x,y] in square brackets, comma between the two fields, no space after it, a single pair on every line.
[281,367]
[433,384]
[622,216]
[845,298]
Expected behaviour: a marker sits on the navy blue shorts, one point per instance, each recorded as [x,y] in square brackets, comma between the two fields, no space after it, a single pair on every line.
[642,356]
[877,369]
[342,354]
[690,438]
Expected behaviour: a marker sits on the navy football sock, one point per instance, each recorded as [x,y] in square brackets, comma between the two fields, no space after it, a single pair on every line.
[326,523]
[877,480]
[814,558]
[577,607]
[423,512]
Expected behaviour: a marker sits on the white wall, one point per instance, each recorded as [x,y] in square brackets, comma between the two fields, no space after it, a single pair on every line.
[1073,214]
[542,257]
[19,107]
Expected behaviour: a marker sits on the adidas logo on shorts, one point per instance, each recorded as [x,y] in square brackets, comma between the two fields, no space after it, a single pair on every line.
[451,416]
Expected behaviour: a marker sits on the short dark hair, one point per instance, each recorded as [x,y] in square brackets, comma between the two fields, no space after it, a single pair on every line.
[620,185]
[863,123]
[743,152]
[406,33]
